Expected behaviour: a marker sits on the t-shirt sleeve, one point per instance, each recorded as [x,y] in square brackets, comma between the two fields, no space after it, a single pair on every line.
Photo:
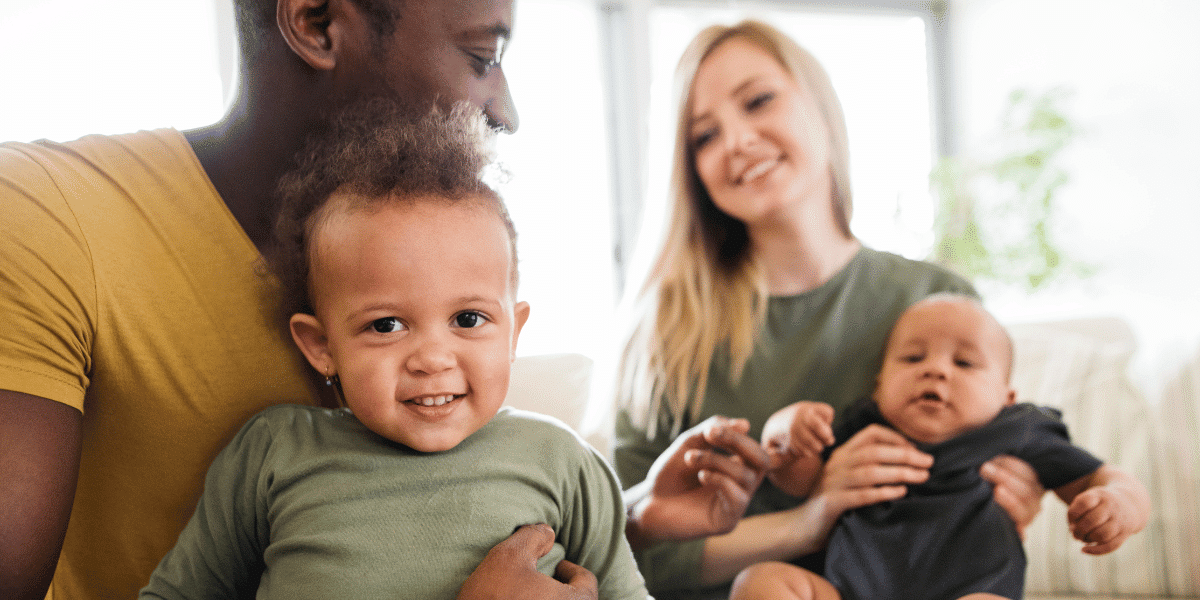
[1050,452]
[219,554]
[47,287]
[597,530]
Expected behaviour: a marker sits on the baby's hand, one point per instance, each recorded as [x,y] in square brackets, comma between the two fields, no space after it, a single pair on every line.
[800,429]
[1103,518]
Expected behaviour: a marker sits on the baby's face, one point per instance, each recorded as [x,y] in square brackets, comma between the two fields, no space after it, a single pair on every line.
[416,303]
[945,371]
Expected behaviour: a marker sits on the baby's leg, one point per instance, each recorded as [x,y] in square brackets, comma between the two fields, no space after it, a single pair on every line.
[780,581]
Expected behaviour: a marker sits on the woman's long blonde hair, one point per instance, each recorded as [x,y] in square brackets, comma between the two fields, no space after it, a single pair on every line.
[704,290]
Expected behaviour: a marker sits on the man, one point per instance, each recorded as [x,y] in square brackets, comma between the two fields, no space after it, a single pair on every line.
[137,333]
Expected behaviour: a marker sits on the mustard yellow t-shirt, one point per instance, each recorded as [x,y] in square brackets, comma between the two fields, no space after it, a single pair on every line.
[130,292]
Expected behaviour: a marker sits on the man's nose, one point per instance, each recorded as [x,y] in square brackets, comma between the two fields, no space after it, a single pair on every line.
[500,110]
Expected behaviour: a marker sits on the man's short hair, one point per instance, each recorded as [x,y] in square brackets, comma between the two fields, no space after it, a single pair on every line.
[255,20]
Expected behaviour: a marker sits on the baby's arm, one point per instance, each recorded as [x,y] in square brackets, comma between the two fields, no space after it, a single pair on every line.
[1105,508]
[794,437]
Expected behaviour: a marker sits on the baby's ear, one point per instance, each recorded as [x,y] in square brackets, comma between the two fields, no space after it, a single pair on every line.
[309,335]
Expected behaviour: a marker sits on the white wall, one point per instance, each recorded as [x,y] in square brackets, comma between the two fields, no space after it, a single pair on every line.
[1133,205]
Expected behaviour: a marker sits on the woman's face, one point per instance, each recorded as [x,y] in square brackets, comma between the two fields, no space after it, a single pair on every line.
[759,141]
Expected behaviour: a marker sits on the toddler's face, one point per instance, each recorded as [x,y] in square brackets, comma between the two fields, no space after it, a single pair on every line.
[945,371]
[416,305]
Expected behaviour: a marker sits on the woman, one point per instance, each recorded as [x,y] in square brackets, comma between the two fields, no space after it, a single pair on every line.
[759,297]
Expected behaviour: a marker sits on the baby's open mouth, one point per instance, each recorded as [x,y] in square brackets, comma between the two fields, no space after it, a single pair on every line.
[930,396]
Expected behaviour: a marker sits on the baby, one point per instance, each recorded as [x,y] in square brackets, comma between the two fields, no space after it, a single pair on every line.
[401,266]
[945,386]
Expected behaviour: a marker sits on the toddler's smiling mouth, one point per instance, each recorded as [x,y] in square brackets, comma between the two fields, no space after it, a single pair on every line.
[439,400]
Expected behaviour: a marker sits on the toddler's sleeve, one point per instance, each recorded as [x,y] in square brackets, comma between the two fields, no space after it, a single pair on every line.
[219,554]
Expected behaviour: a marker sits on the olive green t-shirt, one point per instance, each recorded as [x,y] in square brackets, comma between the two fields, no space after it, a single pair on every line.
[824,345]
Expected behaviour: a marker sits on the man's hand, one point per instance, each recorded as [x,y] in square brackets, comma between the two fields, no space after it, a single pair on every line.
[509,572]
[700,486]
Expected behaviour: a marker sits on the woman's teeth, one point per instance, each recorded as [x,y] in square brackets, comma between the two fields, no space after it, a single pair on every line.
[758,169]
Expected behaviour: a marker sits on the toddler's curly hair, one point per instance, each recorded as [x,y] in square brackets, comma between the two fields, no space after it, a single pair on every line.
[376,154]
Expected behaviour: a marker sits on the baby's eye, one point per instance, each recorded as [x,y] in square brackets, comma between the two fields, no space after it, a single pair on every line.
[469,319]
[386,325]
[912,358]
[964,363]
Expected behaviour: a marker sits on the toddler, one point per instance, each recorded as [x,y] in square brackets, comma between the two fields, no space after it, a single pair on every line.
[400,263]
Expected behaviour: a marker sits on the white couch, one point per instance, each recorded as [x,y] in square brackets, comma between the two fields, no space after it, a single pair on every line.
[1078,366]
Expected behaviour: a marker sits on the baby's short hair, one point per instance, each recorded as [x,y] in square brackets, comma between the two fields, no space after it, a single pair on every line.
[375,154]
[974,301]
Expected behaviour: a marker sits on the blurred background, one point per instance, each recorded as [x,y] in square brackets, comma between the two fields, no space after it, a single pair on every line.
[1045,148]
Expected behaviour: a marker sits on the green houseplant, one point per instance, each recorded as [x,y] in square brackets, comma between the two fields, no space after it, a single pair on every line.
[995,217]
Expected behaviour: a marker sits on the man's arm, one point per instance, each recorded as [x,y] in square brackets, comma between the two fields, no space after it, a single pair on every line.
[39,466]
[700,486]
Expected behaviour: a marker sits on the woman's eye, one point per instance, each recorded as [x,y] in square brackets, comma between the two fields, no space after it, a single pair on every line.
[469,319]
[386,325]
[759,100]
[703,138]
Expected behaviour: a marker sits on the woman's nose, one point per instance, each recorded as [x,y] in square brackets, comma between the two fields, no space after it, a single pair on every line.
[739,135]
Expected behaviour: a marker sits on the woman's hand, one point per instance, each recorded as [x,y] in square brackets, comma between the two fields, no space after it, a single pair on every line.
[875,465]
[1015,488]
[700,486]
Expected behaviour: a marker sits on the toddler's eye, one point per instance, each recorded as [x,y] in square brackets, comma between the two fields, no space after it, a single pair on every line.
[469,319]
[911,358]
[386,325]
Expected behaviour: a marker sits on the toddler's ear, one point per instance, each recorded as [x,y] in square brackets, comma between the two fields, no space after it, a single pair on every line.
[520,315]
[309,335]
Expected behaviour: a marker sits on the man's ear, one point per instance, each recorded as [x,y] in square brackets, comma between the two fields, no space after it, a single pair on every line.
[313,29]
[310,336]
[520,315]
